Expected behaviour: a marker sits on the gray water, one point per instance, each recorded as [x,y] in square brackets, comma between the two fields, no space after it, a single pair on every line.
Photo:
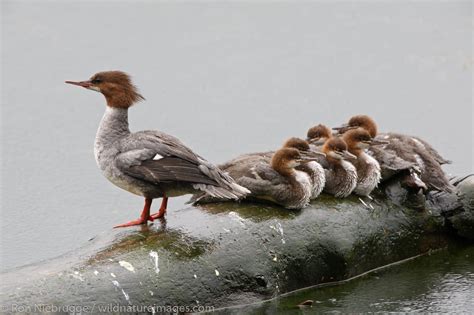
[224,78]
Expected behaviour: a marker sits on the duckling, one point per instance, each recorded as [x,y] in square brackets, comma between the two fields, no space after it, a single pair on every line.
[341,175]
[279,182]
[369,124]
[318,135]
[312,168]
[402,153]
[368,169]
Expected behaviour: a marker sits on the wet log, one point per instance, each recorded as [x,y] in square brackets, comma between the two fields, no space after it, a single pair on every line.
[226,254]
[463,220]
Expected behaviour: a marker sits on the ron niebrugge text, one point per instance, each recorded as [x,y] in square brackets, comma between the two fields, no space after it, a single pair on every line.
[104,308]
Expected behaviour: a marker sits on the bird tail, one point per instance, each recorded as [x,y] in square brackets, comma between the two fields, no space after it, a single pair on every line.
[210,193]
[225,188]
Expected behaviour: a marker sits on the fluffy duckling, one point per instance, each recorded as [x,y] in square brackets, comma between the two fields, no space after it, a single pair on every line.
[402,153]
[318,135]
[312,168]
[341,175]
[279,182]
[368,169]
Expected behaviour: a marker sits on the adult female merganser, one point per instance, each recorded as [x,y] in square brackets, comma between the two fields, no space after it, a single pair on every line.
[341,175]
[312,168]
[368,169]
[279,182]
[148,163]
[405,153]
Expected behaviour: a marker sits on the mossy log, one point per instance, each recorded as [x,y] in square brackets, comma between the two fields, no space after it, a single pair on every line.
[226,254]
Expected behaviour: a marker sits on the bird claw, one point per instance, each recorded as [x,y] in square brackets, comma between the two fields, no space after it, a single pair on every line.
[158,215]
[135,222]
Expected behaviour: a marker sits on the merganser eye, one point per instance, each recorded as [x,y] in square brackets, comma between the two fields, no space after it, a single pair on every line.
[96,81]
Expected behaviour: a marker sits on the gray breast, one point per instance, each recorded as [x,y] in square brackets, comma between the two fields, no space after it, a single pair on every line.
[341,179]
[368,174]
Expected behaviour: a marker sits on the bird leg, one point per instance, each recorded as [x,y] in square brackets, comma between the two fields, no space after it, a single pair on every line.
[144,217]
[162,211]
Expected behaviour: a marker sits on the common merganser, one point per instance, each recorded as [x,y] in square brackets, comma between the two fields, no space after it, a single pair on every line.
[369,124]
[318,135]
[279,182]
[312,168]
[405,150]
[368,169]
[148,163]
[341,175]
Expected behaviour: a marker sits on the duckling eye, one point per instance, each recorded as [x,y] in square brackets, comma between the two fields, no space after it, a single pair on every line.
[96,81]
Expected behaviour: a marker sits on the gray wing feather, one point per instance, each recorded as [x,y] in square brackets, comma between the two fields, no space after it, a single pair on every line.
[179,163]
[390,163]
[262,179]
[420,144]
[409,150]
[169,169]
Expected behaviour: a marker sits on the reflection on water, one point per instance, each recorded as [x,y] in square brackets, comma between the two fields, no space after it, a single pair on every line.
[441,282]
[257,212]
[179,244]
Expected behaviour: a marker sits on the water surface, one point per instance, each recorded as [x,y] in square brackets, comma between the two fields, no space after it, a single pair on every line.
[442,282]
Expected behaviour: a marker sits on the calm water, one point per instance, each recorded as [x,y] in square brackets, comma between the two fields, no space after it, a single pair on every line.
[440,283]
[224,78]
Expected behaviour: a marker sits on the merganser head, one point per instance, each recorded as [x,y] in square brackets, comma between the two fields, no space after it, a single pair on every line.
[116,86]
[286,159]
[336,150]
[297,143]
[318,135]
[357,140]
[362,121]
[302,146]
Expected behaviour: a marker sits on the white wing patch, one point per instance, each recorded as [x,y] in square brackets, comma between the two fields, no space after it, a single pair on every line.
[157,157]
